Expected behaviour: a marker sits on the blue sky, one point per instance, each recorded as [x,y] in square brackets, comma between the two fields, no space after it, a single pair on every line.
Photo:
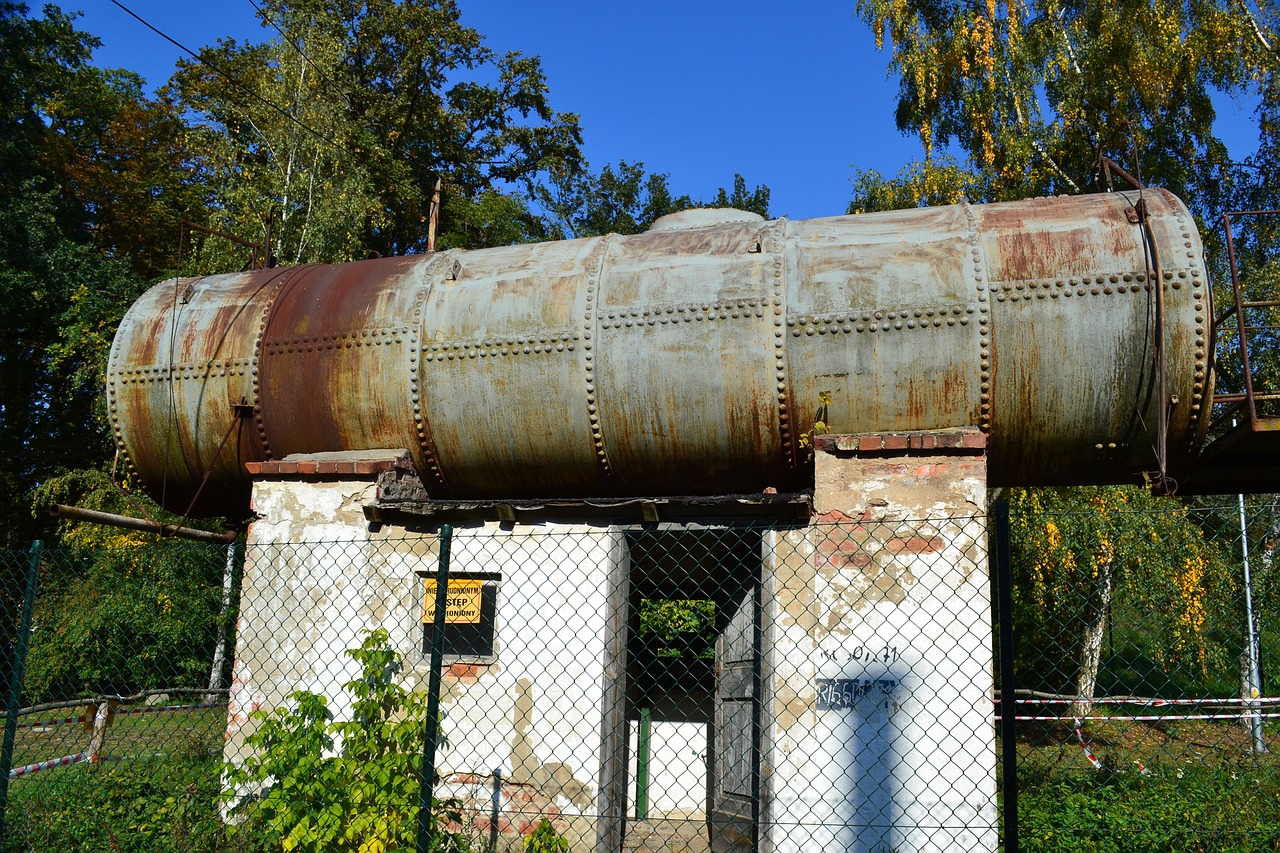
[793,95]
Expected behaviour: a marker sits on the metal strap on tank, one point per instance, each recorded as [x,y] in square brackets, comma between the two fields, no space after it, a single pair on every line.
[279,286]
[774,234]
[114,375]
[980,275]
[590,316]
[417,347]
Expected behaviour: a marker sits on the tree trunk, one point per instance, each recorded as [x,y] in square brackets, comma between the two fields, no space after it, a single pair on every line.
[224,613]
[1091,648]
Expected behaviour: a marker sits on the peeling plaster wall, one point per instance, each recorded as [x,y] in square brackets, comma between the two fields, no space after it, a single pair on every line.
[316,579]
[896,610]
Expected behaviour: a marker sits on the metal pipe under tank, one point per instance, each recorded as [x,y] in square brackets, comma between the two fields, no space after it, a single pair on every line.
[690,359]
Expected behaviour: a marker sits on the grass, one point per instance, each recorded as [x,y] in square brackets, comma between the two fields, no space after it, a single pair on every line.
[1173,786]
[161,797]
[1204,791]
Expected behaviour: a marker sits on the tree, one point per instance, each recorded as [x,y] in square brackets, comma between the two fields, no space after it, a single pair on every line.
[1079,553]
[138,179]
[62,295]
[343,126]
[624,199]
[1030,93]
[119,610]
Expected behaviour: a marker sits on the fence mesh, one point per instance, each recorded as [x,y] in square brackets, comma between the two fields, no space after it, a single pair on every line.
[661,687]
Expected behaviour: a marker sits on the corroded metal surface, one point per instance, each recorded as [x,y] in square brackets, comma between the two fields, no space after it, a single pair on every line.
[686,361]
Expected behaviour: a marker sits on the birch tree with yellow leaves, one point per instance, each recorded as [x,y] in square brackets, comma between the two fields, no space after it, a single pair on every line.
[1079,553]
[1030,91]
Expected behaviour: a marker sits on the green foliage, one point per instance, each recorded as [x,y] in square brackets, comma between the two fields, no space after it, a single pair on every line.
[136,806]
[1029,93]
[624,199]
[753,201]
[1082,553]
[545,839]
[91,177]
[341,126]
[119,610]
[61,300]
[679,627]
[940,181]
[324,785]
[1170,810]
[819,427]
[492,219]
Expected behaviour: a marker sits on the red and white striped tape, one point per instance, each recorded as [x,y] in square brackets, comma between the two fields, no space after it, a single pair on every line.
[1153,718]
[1093,759]
[1151,703]
[58,722]
[49,765]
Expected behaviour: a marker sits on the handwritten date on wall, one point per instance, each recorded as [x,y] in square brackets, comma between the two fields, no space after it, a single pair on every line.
[886,653]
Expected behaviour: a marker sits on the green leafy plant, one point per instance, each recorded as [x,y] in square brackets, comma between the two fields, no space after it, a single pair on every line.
[163,803]
[325,785]
[545,839]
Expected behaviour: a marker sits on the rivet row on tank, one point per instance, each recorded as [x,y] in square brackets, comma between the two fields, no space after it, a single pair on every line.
[415,387]
[779,351]
[590,318]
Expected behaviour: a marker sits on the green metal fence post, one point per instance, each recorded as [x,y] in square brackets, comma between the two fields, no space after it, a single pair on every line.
[15,682]
[426,789]
[642,764]
[1008,702]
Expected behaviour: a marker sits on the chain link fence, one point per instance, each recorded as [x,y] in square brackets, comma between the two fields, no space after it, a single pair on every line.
[117,655]
[695,687]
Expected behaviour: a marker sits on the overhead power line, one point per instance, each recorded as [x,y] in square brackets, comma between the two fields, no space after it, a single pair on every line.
[221,73]
[298,47]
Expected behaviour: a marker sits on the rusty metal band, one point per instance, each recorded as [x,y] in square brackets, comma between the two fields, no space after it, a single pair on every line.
[981,275]
[278,286]
[417,344]
[590,323]
[774,238]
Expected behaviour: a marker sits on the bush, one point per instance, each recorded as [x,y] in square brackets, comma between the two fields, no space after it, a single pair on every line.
[118,610]
[352,786]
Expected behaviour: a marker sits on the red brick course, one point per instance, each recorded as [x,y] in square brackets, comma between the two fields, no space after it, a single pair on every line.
[320,468]
[958,441]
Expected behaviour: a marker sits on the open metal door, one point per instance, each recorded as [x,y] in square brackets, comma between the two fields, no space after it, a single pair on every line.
[733,772]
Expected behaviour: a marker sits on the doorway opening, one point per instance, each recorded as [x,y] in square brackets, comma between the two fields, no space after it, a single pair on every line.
[692,688]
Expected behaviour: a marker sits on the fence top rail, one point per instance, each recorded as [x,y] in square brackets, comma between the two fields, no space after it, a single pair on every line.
[91,702]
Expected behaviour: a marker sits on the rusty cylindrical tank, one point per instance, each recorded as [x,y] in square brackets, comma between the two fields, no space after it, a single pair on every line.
[690,359]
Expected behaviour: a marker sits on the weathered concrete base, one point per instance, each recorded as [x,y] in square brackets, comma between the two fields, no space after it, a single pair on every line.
[876,671]
[879,661]
[317,579]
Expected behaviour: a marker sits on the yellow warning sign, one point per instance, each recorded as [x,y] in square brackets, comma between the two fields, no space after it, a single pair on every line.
[462,603]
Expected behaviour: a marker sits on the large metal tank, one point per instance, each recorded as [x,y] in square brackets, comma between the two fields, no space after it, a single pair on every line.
[690,359]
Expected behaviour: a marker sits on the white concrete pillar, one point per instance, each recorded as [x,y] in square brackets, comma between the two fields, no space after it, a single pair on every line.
[878,655]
